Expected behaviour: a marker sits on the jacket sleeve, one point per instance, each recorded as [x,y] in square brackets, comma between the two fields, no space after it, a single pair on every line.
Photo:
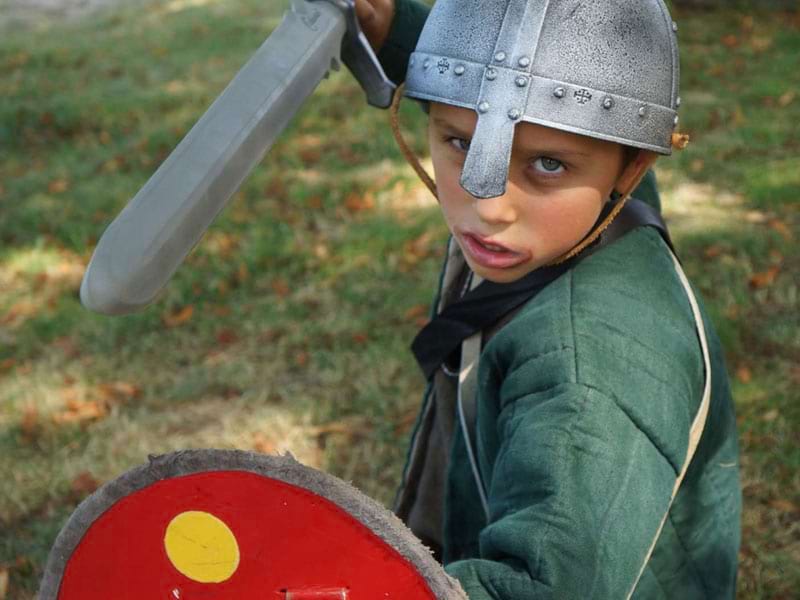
[409,17]
[577,494]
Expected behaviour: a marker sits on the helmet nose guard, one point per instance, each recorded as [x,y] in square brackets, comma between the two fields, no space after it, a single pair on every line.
[606,69]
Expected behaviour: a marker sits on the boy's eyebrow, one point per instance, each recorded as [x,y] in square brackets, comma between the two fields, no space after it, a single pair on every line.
[553,152]
[443,124]
[533,150]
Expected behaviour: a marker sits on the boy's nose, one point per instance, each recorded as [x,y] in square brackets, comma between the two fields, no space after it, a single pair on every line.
[499,210]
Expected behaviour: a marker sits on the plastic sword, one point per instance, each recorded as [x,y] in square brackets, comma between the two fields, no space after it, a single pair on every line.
[143,247]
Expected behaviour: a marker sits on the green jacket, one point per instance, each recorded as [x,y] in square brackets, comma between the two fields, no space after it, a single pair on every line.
[585,400]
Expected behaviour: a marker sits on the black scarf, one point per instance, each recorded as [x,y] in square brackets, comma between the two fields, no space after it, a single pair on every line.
[488,302]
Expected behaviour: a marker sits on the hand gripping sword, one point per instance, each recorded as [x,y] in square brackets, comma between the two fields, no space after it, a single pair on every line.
[143,247]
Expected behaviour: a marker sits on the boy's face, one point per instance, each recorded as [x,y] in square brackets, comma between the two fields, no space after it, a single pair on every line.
[557,185]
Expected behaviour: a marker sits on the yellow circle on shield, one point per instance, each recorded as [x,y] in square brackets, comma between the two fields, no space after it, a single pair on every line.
[202,547]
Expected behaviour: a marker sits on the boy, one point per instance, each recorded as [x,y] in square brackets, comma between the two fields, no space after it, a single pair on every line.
[582,444]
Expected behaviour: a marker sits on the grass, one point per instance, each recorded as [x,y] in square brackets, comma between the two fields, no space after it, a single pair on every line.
[289,326]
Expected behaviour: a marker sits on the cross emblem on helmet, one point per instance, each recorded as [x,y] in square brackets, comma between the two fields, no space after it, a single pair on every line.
[583,96]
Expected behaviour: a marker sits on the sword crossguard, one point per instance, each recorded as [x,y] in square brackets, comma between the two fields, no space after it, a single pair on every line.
[359,57]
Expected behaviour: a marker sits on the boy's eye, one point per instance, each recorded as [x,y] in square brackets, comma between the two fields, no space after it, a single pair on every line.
[458,144]
[549,166]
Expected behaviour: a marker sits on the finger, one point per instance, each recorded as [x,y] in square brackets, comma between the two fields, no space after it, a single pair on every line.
[365,12]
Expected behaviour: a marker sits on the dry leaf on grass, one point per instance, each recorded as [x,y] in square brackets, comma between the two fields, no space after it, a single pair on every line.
[744,374]
[787,98]
[784,505]
[782,229]
[58,186]
[30,424]
[770,415]
[263,444]
[3,582]
[280,287]
[360,338]
[730,41]
[80,411]
[83,484]
[117,391]
[225,337]
[764,278]
[358,203]
[178,317]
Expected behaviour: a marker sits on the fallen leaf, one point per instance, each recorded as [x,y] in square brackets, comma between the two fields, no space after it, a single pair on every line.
[314,202]
[7,364]
[58,186]
[738,117]
[301,358]
[744,374]
[415,312]
[117,391]
[226,337]
[280,287]
[178,317]
[67,346]
[360,338]
[730,41]
[357,203]
[770,415]
[263,444]
[713,251]
[310,156]
[764,278]
[30,424]
[242,273]
[20,59]
[760,43]
[321,251]
[80,411]
[83,484]
[782,228]
[784,505]
[747,23]
[420,247]
[786,99]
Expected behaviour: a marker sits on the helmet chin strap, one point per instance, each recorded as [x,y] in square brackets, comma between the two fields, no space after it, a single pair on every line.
[627,182]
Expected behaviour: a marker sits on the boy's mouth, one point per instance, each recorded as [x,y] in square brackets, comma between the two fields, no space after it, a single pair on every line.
[490,254]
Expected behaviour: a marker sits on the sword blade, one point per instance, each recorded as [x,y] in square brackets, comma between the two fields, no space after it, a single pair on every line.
[142,248]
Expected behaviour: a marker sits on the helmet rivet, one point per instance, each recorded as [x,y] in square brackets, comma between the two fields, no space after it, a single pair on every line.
[459,70]
[524,61]
[674,26]
[500,56]
[678,102]
[643,111]
[559,92]
[608,102]
[491,73]
[675,120]
[426,64]
[514,114]
[483,107]
[521,81]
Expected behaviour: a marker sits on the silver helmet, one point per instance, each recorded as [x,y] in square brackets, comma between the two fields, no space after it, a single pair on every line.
[603,68]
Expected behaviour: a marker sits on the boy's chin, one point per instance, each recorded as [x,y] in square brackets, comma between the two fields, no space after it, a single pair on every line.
[496,275]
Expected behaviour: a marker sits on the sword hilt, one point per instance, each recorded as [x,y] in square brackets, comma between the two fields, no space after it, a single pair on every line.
[360,59]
